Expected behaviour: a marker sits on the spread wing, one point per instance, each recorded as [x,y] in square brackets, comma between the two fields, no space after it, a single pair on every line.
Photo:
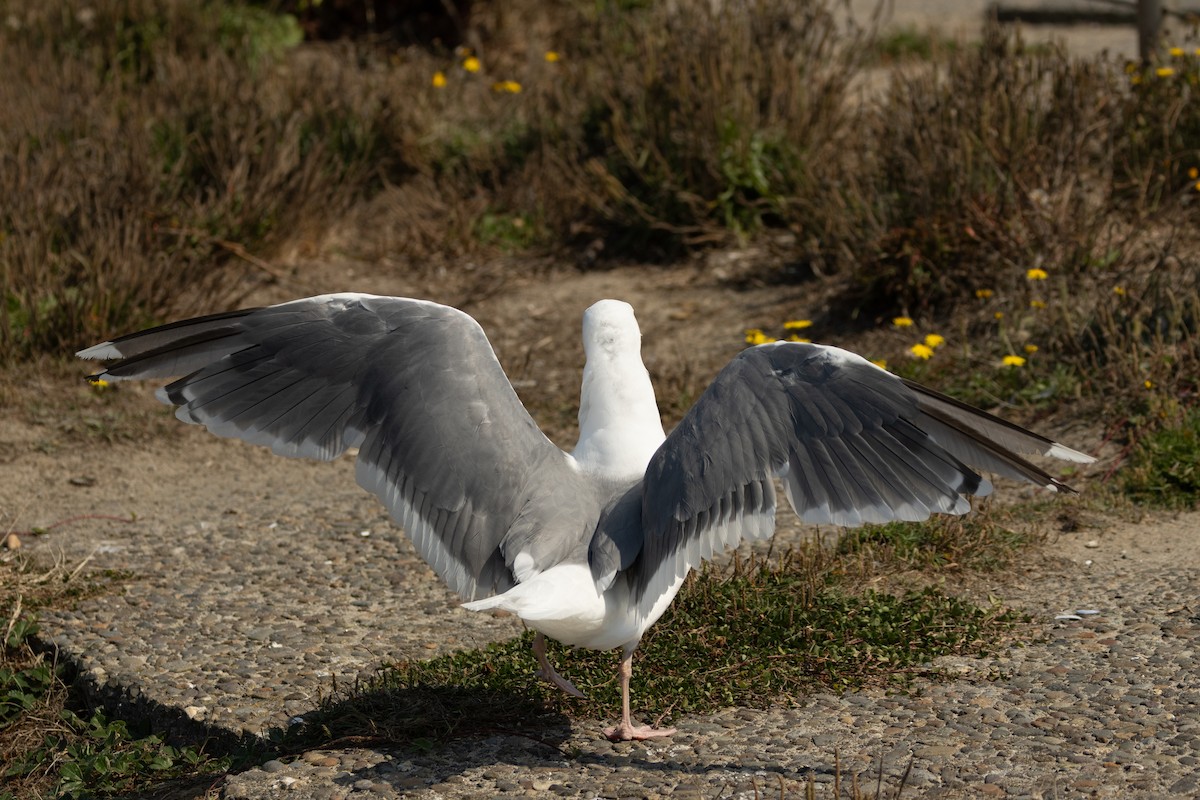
[852,444]
[443,439]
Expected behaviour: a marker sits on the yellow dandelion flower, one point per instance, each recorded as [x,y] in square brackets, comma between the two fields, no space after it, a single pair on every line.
[797,324]
[1196,52]
[512,87]
[471,64]
[100,384]
[1014,361]
[1193,173]
[756,336]
[1164,72]
[1036,274]
[880,362]
[1135,79]
[552,56]
[1119,291]
[998,315]
[801,339]
[934,340]
[1197,187]
[1176,51]
[1038,304]
[902,322]
[1031,348]
[439,79]
[921,351]
[983,294]
[1149,384]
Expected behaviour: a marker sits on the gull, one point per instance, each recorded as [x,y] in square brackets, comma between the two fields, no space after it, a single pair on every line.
[587,547]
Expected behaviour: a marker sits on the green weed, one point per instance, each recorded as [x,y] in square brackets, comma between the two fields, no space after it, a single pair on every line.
[24,686]
[98,757]
[257,35]
[977,541]
[1164,468]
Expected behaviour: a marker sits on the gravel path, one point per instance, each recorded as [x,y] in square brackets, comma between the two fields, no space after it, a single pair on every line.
[241,620]
[1108,706]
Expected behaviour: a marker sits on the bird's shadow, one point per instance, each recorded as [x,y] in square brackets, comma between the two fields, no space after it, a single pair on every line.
[431,734]
[424,717]
[428,735]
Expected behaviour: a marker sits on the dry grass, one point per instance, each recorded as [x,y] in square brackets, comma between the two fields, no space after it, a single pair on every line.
[159,155]
[707,122]
[985,165]
[143,165]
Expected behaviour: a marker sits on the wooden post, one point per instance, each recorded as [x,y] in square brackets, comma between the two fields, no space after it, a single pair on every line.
[1149,22]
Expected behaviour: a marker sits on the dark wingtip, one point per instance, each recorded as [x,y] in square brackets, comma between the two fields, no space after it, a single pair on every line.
[1056,485]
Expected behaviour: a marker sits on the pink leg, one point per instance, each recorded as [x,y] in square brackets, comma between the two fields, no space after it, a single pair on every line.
[547,672]
[627,730]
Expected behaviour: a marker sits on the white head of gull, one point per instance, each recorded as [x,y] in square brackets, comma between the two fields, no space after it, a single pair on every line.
[588,547]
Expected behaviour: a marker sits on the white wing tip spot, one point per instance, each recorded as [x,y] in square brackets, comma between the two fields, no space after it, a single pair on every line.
[1067,454]
[102,351]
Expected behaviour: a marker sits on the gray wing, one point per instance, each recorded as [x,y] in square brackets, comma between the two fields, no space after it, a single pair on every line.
[852,443]
[443,439]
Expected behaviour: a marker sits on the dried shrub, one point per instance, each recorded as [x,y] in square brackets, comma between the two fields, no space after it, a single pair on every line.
[992,163]
[136,193]
[1157,157]
[701,122]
